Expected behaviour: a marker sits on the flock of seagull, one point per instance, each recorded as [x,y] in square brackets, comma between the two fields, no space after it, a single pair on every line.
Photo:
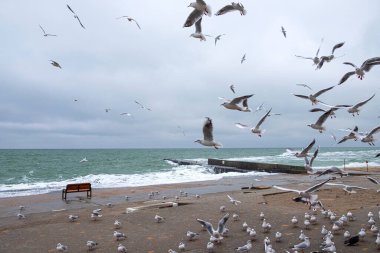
[241,103]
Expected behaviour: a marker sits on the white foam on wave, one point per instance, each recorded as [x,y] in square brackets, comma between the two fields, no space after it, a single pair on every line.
[178,174]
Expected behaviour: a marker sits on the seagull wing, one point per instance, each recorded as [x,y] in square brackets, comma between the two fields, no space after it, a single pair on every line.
[373,180]
[232,87]
[263,118]
[207,130]
[239,125]
[285,189]
[222,223]
[307,149]
[324,116]
[314,156]
[198,26]
[239,99]
[363,102]
[323,91]
[322,61]
[339,45]
[225,9]
[316,55]
[137,24]
[194,16]
[207,225]
[351,64]
[317,110]
[368,66]
[80,22]
[317,186]
[68,6]
[301,96]
[42,29]
[303,57]
[346,76]
[374,131]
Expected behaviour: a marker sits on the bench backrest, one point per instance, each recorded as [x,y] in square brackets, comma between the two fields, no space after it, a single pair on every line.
[77,187]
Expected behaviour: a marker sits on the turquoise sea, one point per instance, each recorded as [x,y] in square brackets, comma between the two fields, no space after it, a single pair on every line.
[35,171]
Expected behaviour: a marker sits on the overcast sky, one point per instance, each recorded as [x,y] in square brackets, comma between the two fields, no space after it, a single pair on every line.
[112,63]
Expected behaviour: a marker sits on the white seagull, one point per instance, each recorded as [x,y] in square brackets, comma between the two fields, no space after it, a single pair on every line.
[309,164]
[365,67]
[218,38]
[234,103]
[200,8]
[46,34]
[55,64]
[245,248]
[330,57]
[232,7]
[61,248]
[318,124]
[216,233]
[233,201]
[91,245]
[348,188]
[75,16]
[208,139]
[130,20]
[356,108]
[369,137]
[305,151]
[313,97]
[315,59]
[306,193]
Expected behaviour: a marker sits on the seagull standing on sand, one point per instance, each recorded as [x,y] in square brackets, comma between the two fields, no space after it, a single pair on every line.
[356,108]
[330,57]
[315,59]
[232,7]
[46,34]
[283,31]
[121,248]
[245,248]
[313,97]
[208,139]
[61,248]
[73,218]
[215,233]
[318,124]
[306,193]
[91,245]
[303,245]
[369,137]
[130,20]
[365,67]
[55,64]
[119,235]
[233,104]
[75,16]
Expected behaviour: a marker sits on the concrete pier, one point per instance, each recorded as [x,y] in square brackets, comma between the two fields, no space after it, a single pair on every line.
[241,166]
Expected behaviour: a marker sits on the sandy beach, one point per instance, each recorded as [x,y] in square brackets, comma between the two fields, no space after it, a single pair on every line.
[47,223]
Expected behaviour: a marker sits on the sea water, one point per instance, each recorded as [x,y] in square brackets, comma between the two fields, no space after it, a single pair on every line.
[35,171]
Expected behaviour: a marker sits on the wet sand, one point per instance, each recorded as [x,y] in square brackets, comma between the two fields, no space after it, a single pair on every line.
[47,224]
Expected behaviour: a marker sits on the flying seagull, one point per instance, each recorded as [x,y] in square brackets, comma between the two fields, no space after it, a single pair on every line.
[315,59]
[232,7]
[352,135]
[208,139]
[234,103]
[306,193]
[46,34]
[256,129]
[304,85]
[130,20]
[305,151]
[313,97]
[333,170]
[76,16]
[243,59]
[356,108]
[55,64]
[216,233]
[200,8]
[348,188]
[365,67]
[218,37]
[143,107]
[232,88]
[283,31]
[369,137]
[309,164]
[330,57]
[318,124]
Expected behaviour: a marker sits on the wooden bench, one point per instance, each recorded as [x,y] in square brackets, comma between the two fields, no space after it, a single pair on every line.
[82,187]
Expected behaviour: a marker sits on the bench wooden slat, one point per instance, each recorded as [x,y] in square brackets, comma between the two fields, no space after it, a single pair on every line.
[80,187]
